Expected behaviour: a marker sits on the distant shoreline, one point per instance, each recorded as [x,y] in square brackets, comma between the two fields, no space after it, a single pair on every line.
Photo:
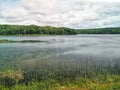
[49,30]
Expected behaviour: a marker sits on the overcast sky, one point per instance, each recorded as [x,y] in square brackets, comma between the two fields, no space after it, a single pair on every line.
[65,13]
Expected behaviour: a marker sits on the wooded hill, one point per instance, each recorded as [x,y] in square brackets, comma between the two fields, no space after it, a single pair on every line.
[49,30]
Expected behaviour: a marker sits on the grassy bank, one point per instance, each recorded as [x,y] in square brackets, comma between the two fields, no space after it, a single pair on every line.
[110,82]
[17,79]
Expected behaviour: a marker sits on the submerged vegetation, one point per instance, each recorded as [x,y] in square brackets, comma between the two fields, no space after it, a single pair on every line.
[22,41]
[48,30]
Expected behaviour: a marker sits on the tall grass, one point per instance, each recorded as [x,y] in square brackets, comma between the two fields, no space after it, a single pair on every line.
[62,76]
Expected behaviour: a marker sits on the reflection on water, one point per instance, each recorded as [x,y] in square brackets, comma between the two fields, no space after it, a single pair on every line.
[60,50]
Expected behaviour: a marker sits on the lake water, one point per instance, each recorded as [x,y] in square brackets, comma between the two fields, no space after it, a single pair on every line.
[59,51]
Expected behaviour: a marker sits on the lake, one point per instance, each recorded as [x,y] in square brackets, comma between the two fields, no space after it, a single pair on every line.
[60,51]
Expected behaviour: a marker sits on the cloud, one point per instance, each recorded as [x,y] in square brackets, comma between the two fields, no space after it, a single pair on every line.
[67,13]
[103,0]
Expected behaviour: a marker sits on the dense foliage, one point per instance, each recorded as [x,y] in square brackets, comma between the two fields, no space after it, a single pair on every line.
[48,30]
[32,29]
[100,31]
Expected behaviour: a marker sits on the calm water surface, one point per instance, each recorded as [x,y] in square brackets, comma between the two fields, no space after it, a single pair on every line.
[60,50]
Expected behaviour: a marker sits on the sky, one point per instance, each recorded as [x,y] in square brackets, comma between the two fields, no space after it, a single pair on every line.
[61,13]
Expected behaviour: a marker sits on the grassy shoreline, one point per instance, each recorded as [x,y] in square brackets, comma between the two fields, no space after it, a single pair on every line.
[112,82]
[17,79]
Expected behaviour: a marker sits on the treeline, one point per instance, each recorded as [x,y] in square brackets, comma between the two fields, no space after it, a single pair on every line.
[100,31]
[32,29]
[48,30]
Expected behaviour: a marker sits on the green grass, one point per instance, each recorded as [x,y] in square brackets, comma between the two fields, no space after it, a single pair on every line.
[14,79]
[68,76]
[78,84]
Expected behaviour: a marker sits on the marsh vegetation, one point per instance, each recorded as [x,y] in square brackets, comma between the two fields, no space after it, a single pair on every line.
[22,41]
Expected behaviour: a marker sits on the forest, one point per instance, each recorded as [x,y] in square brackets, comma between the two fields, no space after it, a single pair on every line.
[33,29]
[49,30]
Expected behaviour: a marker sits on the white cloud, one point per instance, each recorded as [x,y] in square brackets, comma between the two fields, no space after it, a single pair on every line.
[68,13]
[103,0]
[14,12]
